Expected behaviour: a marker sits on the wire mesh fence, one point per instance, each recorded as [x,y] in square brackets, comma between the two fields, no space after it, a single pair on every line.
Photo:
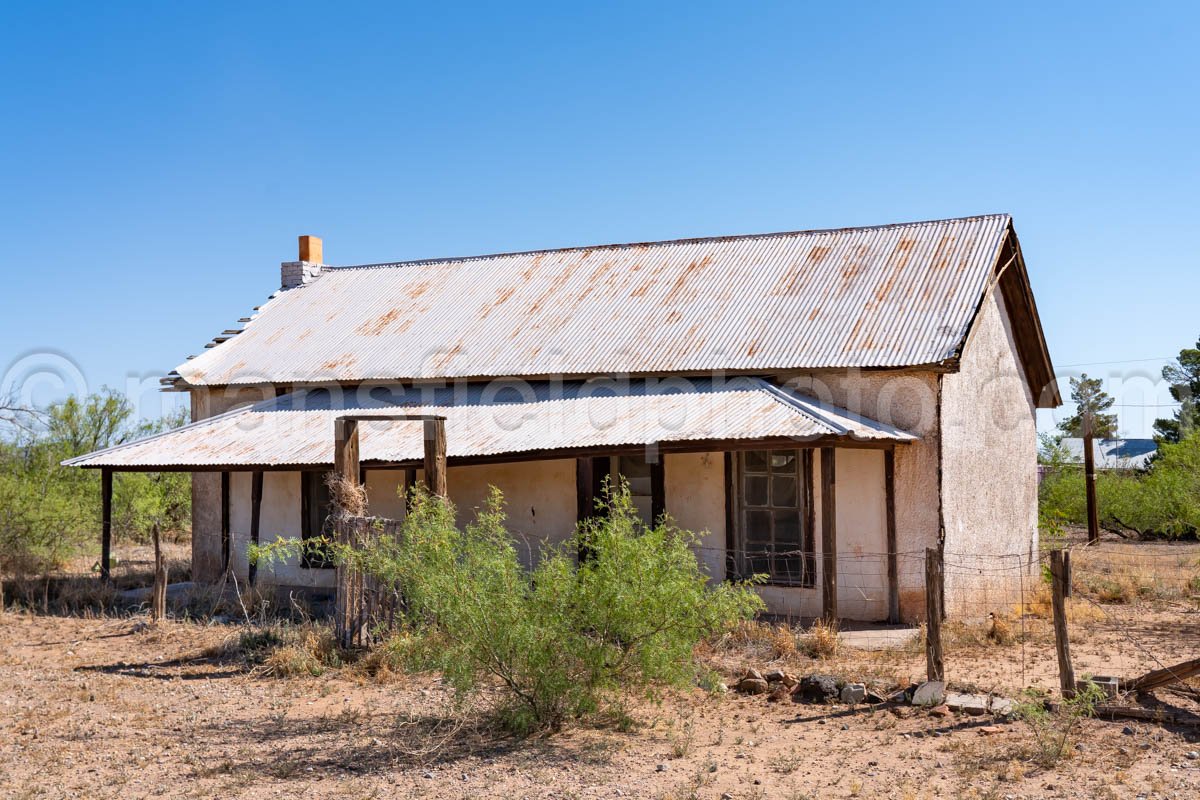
[1133,607]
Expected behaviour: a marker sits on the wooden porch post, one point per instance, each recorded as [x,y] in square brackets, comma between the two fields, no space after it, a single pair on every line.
[829,609]
[106,496]
[256,494]
[435,456]
[225,536]
[345,449]
[893,565]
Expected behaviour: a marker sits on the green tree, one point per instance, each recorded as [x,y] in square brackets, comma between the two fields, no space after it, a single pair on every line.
[1090,400]
[1184,377]
[50,513]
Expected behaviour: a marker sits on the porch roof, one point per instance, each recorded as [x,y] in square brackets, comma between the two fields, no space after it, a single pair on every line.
[499,421]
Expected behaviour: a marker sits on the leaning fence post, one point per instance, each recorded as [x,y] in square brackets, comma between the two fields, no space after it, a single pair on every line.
[1060,572]
[935,668]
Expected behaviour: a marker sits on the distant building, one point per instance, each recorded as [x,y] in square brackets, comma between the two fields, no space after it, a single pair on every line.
[1114,453]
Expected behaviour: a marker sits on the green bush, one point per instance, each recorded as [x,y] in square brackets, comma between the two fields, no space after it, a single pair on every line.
[1163,501]
[49,513]
[561,637]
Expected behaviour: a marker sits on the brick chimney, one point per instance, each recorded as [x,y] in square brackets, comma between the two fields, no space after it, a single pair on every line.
[305,270]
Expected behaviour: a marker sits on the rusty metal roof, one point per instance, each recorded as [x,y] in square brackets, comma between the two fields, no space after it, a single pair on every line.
[495,419]
[889,296]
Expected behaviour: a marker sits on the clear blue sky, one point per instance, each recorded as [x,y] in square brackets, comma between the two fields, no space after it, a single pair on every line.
[159,160]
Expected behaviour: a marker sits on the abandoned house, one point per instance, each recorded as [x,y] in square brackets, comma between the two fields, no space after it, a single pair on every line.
[818,404]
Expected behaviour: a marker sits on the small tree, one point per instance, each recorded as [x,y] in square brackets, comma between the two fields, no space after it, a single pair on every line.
[1184,377]
[1091,403]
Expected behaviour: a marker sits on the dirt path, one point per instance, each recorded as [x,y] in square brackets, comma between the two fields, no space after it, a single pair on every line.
[109,708]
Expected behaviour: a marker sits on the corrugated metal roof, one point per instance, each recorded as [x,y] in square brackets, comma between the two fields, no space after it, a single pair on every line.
[891,296]
[502,417]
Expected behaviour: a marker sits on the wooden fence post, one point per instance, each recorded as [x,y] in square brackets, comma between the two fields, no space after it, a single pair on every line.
[158,606]
[1060,573]
[935,667]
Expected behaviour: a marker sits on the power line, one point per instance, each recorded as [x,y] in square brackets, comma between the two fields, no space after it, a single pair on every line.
[1124,361]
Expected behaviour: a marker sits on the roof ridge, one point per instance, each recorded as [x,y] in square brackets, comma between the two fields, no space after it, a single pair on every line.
[664,242]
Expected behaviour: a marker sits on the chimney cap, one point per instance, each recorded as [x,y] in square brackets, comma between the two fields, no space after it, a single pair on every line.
[310,249]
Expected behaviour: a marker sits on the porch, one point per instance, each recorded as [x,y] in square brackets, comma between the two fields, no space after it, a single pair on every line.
[774,482]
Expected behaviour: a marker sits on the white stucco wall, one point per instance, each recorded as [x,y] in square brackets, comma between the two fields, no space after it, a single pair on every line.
[539,500]
[989,469]
[694,484]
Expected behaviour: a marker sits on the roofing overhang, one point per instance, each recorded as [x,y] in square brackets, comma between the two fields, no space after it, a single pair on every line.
[503,420]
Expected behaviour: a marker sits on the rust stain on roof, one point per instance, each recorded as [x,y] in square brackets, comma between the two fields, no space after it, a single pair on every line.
[374,327]
[909,291]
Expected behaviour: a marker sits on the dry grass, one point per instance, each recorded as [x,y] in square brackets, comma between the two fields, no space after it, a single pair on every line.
[348,495]
[821,641]
[281,650]
[761,640]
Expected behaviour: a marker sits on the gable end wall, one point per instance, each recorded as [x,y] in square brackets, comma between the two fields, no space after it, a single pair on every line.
[989,470]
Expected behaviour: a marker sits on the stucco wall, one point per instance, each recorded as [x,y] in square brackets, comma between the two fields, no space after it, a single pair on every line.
[539,500]
[694,484]
[989,469]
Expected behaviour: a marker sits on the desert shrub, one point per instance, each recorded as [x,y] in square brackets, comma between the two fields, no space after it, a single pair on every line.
[1053,729]
[562,637]
[282,650]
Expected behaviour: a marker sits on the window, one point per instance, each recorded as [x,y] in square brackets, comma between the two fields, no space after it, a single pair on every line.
[773,516]
[315,507]
[645,481]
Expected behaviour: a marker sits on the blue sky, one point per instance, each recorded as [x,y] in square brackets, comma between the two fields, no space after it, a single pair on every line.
[159,160]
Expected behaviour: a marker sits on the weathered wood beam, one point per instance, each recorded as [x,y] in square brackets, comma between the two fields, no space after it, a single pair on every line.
[1060,571]
[435,456]
[1163,677]
[935,667]
[658,487]
[345,449]
[829,607]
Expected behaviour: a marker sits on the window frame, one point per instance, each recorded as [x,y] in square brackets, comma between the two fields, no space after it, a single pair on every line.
[591,471]
[737,561]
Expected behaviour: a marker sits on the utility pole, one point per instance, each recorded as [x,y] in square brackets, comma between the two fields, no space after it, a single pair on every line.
[1089,476]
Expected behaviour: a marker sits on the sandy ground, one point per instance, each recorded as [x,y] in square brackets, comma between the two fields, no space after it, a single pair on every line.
[116,708]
